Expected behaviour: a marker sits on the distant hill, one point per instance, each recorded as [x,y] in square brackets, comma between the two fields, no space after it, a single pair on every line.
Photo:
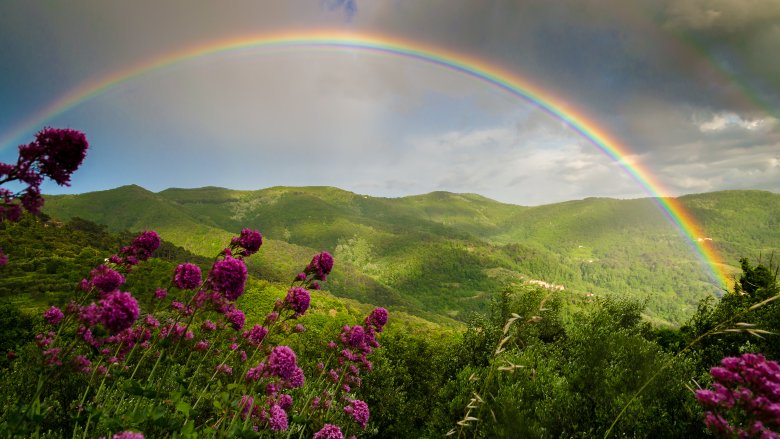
[444,253]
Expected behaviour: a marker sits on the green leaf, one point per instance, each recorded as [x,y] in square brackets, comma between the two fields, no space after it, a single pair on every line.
[184,407]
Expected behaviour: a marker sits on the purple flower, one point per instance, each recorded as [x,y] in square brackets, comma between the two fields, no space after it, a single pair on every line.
[329,431]
[82,364]
[236,318]
[377,319]
[249,240]
[255,335]
[744,400]
[278,421]
[359,412]
[208,325]
[299,328]
[63,150]
[53,315]
[282,362]
[128,435]
[354,336]
[285,402]
[228,277]
[320,266]
[255,373]
[145,244]
[187,276]
[224,368]
[160,293]
[51,357]
[106,279]
[298,299]
[118,311]
[245,405]
[297,379]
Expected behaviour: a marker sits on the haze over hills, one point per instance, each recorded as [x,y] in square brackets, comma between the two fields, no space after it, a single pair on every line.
[445,254]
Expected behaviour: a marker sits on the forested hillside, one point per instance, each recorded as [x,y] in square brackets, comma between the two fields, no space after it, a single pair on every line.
[443,253]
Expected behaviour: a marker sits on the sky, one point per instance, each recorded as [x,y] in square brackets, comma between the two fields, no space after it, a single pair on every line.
[690,89]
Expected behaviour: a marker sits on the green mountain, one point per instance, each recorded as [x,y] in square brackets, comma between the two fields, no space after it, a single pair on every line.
[445,254]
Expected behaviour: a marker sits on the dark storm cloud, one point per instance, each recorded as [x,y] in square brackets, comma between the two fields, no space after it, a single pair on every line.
[601,54]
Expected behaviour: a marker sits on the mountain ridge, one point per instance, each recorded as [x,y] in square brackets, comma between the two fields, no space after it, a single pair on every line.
[445,253]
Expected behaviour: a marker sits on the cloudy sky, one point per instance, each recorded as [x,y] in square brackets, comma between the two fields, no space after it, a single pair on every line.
[690,87]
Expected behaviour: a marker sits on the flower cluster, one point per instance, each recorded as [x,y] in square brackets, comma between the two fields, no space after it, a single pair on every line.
[56,154]
[187,276]
[247,243]
[320,266]
[744,400]
[228,277]
[198,318]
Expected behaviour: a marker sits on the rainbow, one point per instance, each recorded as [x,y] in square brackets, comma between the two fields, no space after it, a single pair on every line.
[470,66]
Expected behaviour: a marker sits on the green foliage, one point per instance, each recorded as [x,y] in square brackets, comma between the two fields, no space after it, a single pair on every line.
[444,253]
[746,310]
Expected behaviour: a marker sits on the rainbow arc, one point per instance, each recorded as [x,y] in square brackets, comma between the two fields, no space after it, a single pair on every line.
[510,82]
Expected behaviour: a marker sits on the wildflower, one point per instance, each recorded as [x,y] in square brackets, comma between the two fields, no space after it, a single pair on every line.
[299,328]
[187,276]
[119,310]
[90,314]
[236,318]
[255,373]
[245,405]
[151,322]
[228,277]
[144,244]
[51,357]
[160,293]
[44,340]
[128,435]
[105,279]
[744,399]
[359,412]
[354,336]
[329,431]
[201,345]
[377,319]
[53,315]
[255,335]
[301,276]
[282,362]
[224,368]
[63,150]
[297,379]
[285,402]
[249,240]
[278,420]
[320,266]
[82,363]
[208,325]
[298,300]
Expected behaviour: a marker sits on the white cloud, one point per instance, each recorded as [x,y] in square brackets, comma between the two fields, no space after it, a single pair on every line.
[724,121]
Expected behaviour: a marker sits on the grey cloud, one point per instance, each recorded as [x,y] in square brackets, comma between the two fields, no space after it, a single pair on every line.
[723,15]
